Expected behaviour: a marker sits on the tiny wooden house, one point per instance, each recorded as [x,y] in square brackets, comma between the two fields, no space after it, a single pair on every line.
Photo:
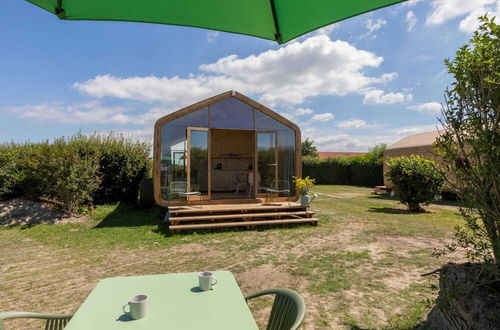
[229,149]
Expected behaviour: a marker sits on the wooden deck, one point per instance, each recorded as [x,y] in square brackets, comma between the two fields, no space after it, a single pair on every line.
[238,215]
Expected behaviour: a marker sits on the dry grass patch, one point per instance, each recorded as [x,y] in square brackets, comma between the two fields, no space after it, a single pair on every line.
[357,269]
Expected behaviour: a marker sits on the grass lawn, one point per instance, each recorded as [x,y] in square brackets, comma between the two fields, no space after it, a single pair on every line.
[359,268]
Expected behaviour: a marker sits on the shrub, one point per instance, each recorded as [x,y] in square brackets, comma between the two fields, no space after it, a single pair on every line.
[417,180]
[327,170]
[9,172]
[470,142]
[123,163]
[76,171]
[64,170]
[363,170]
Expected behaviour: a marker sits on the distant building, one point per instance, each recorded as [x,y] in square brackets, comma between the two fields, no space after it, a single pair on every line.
[416,144]
[327,154]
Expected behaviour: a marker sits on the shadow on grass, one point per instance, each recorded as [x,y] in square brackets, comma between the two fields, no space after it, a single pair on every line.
[391,210]
[385,197]
[129,216]
[448,199]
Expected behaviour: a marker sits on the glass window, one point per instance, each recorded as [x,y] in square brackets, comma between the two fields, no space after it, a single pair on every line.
[231,113]
[174,151]
[198,158]
[275,150]
[285,154]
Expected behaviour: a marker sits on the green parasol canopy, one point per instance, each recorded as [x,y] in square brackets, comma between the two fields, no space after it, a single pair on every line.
[279,20]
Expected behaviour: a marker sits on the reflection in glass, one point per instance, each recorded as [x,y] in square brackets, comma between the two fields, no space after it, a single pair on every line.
[198,159]
[275,152]
[285,150]
[266,161]
[231,113]
[174,150]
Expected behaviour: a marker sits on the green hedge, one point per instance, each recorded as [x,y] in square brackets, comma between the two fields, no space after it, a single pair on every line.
[75,171]
[10,175]
[363,170]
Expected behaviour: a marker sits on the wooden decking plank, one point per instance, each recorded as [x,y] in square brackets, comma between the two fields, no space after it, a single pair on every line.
[240,215]
[235,207]
[244,223]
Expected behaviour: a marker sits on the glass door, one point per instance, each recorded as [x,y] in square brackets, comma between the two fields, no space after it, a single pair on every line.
[267,163]
[198,161]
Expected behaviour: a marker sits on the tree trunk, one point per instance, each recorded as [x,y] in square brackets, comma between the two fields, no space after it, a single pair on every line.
[464,303]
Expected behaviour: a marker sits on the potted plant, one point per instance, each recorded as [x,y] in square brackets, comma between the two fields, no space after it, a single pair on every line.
[304,185]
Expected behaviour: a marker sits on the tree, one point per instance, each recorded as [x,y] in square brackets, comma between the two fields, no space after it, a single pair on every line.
[309,149]
[417,180]
[377,152]
[470,141]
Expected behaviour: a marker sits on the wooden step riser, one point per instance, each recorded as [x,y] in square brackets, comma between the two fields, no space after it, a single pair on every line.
[201,211]
[312,221]
[189,222]
[242,216]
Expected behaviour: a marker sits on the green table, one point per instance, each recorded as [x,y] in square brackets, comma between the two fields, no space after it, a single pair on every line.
[175,302]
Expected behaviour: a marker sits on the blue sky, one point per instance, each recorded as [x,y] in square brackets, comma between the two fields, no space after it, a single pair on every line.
[370,79]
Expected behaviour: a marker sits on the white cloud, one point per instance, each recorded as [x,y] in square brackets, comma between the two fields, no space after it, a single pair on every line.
[411,19]
[326,140]
[410,3]
[353,123]
[408,130]
[444,10]
[212,36]
[293,114]
[431,108]
[470,23]
[87,112]
[92,112]
[327,30]
[377,96]
[323,117]
[347,142]
[143,134]
[286,76]
[374,25]
[173,91]
[303,111]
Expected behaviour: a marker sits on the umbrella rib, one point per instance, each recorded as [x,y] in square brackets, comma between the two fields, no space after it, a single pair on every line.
[59,10]
[277,35]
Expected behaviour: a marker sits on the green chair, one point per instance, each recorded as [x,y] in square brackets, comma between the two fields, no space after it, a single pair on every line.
[288,309]
[54,322]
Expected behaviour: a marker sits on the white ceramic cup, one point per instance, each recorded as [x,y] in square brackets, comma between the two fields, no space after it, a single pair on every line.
[138,306]
[206,281]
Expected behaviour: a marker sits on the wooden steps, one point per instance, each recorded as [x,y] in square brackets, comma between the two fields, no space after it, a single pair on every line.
[243,224]
[238,215]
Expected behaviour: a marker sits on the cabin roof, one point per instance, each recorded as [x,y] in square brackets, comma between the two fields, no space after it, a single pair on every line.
[415,140]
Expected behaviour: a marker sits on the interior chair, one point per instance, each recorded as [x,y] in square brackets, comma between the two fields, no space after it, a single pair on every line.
[179,188]
[53,322]
[250,182]
[288,308]
[281,187]
[239,182]
[175,188]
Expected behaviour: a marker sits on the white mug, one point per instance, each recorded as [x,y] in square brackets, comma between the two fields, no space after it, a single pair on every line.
[206,281]
[138,306]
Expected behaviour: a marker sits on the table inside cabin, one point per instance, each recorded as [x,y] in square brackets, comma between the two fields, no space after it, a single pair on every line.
[174,302]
